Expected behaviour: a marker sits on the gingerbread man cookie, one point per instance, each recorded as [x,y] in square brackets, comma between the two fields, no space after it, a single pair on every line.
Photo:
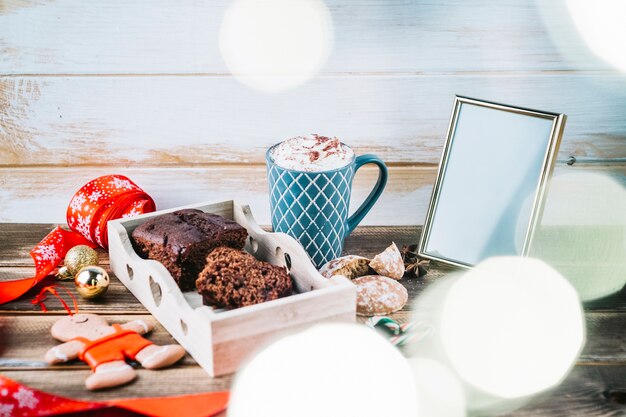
[105,348]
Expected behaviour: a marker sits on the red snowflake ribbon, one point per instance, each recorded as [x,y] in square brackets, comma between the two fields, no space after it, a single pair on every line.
[106,198]
[17,400]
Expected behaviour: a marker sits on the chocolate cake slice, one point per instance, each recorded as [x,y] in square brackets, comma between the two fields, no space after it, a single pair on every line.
[181,240]
[233,278]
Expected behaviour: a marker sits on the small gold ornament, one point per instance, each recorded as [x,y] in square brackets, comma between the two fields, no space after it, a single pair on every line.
[63,274]
[91,282]
[78,257]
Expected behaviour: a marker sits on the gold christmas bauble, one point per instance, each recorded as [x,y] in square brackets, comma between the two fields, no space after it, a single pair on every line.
[64,275]
[78,257]
[91,282]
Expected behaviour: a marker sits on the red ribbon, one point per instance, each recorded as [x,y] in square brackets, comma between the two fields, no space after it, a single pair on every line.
[106,198]
[18,400]
[42,296]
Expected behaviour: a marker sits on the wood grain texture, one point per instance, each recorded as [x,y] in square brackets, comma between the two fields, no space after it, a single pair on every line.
[605,344]
[42,194]
[588,391]
[203,119]
[18,239]
[30,339]
[89,89]
[197,120]
[16,263]
[364,241]
[156,383]
[117,298]
[594,388]
[370,35]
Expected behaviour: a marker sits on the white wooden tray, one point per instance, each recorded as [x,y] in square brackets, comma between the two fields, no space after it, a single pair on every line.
[219,340]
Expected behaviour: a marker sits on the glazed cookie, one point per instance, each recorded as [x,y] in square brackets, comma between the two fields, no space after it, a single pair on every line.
[389,263]
[350,266]
[377,295]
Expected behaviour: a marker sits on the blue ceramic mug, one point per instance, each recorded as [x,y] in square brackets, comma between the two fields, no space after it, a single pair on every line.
[313,207]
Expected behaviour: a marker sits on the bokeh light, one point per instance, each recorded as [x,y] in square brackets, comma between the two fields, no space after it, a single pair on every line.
[589,34]
[328,370]
[601,24]
[508,329]
[528,314]
[274,45]
[439,392]
[582,232]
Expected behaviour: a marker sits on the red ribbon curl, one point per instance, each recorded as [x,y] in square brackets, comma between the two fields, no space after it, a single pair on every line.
[42,296]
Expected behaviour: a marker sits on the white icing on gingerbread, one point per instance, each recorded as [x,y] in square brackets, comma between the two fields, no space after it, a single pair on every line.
[142,324]
[153,355]
[58,354]
[106,370]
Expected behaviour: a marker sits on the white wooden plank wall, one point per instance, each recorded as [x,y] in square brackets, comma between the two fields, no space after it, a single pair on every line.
[88,88]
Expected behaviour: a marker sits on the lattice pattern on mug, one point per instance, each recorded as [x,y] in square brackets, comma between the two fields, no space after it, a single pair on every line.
[313,208]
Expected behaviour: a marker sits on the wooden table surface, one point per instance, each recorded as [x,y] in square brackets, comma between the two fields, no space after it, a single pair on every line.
[595,387]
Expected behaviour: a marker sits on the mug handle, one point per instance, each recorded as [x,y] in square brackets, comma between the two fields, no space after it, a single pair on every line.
[371,199]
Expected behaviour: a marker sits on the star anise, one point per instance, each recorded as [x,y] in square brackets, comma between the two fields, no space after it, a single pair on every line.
[413,264]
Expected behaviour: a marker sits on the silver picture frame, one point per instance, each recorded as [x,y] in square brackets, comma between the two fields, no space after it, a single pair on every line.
[552,142]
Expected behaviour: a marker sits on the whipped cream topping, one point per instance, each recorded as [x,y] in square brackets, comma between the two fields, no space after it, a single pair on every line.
[313,153]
